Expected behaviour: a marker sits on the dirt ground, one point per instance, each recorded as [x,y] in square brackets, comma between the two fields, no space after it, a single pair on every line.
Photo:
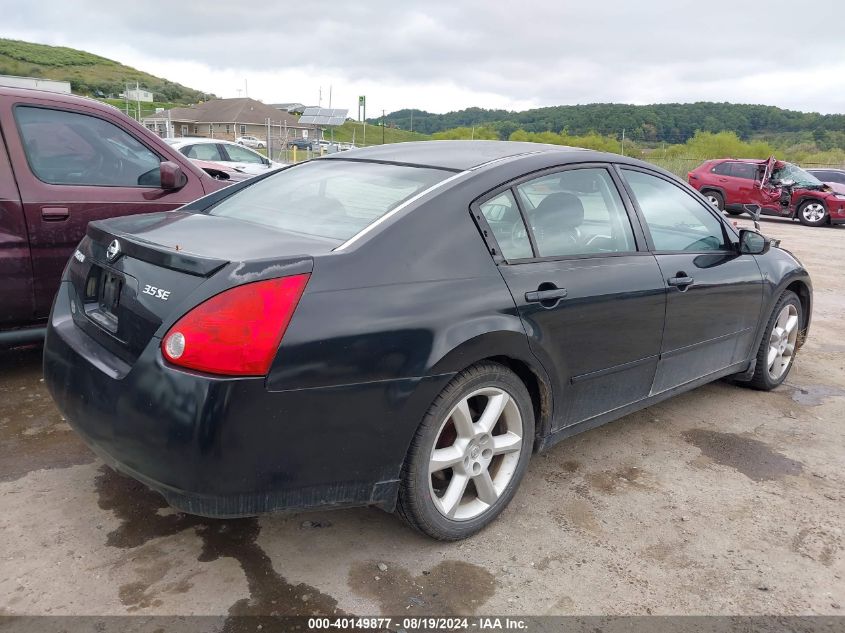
[719,501]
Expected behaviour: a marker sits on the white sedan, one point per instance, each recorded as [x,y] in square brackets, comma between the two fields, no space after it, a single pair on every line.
[250,141]
[226,153]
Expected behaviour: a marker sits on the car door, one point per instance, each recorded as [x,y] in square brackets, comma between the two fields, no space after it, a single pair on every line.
[592,303]
[15,262]
[721,177]
[743,177]
[73,166]
[714,293]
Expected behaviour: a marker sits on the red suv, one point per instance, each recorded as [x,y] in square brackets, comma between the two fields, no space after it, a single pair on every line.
[65,161]
[779,188]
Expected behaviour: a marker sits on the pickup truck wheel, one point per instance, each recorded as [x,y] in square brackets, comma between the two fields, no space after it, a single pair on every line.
[469,454]
[812,213]
[716,199]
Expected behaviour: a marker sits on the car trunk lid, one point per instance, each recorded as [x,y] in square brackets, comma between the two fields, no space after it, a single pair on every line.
[133,274]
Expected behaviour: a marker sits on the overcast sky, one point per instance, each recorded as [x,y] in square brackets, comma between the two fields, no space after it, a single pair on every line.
[447,55]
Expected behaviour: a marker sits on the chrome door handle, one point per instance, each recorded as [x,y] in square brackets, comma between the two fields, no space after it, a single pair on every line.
[681,281]
[539,296]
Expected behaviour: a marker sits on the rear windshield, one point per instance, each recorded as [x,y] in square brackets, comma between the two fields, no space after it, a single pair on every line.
[328,198]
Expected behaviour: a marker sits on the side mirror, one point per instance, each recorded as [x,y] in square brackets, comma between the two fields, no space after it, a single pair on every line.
[754,211]
[172,176]
[753,243]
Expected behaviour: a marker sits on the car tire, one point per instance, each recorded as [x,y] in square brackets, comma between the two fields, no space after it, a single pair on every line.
[812,213]
[445,503]
[779,344]
[715,198]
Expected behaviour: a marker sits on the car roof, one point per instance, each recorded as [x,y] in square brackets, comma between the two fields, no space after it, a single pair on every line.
[750,161]
[61,97]
[457,155]
[194,140]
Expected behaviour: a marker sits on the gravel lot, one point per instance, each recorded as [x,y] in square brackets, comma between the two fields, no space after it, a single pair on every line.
[720,501]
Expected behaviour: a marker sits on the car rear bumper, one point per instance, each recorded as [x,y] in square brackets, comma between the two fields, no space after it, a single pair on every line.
[229,447]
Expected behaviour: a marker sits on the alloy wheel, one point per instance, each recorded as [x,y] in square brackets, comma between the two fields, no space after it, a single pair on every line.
[476,454]
[813,212]
[713,200]
[782,341]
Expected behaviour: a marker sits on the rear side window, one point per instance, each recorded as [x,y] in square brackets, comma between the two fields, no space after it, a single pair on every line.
[676,220]
[503,217]
[203,151]
[328,198]
[744,170]
[723,169]
[576,212]
[68,148]
[829,176]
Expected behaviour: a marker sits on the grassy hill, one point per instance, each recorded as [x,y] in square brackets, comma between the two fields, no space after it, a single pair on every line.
[350,129]
[656,123]
[88,74]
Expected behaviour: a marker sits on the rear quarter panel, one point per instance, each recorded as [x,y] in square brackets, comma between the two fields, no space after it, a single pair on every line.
[422,298]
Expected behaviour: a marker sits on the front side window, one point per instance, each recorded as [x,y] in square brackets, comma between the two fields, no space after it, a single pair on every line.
[334,199]
[576,212]
[240,154]
[67,148]
[505,221]
[675,219]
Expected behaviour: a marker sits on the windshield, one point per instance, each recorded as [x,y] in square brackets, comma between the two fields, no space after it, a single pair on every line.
[793,172]
[328,198]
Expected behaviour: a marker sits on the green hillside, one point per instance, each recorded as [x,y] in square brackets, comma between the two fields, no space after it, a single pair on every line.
[352,129]
[657,123]
[88,74]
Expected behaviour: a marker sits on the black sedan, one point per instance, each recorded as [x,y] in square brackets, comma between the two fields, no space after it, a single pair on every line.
[403,326]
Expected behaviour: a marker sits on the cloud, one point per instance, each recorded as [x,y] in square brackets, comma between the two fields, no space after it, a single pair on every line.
[444,55]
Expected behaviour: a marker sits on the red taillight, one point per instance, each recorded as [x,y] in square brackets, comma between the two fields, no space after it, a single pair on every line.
[237,332]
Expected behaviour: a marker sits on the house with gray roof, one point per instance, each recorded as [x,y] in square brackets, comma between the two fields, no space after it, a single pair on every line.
[228,119]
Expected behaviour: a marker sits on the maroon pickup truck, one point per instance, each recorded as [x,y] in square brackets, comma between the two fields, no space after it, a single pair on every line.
[65,161]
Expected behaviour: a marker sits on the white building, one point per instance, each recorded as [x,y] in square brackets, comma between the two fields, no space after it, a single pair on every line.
[51,85]
[139,94]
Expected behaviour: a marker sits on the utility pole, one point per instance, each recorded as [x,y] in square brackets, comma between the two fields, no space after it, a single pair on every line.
[246,90]
[382,127]
[623,141]
[412,120]
[138,101]
[330,95]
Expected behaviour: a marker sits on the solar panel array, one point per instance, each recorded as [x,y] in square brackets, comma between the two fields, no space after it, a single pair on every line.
[323,116]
